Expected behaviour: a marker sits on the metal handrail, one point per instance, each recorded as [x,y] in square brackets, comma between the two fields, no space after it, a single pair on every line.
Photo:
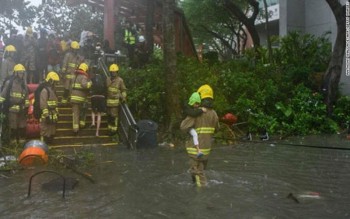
[48,171]
[128,129]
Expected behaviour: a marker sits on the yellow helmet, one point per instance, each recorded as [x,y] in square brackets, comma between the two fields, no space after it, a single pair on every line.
[113,68]
[52,76]
[74,45]
[19,68]
[206,91]
[84,67]
[10,48]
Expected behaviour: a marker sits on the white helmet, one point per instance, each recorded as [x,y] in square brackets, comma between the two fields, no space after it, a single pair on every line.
[141,39]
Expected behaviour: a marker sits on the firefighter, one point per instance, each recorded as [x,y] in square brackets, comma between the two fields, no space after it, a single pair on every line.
[14,101]
[81,84]
[116,92]
[48,106]
[8,63]
[70,63]
[205,126]
[29,56]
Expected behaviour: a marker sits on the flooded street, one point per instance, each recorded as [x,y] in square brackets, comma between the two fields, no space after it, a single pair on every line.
[250,180]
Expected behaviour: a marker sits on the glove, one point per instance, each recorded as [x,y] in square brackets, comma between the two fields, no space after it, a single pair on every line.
[48,119]
[51,119]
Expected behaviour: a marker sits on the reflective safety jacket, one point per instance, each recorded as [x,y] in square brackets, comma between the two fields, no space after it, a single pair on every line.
[205,126]
[48,104]
[70,63]
[129,37]
[116,91]
[81,85]
[18,95]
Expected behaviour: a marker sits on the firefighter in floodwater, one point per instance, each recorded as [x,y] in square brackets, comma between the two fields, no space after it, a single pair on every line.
[205,126]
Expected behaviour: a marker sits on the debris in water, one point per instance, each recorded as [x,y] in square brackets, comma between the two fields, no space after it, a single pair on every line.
[310,195]
[291,196]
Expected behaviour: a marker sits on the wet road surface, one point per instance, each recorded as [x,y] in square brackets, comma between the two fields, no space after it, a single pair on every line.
[248,180]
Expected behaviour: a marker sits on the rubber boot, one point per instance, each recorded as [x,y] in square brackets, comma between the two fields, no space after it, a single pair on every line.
[65,96]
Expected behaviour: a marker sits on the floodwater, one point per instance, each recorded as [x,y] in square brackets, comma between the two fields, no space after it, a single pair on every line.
[248,180]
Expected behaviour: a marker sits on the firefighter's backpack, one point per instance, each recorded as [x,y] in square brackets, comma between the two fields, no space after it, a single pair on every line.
[36,105]
[6,103]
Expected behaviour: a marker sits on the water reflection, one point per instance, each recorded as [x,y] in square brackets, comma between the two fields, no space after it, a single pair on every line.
[250,180]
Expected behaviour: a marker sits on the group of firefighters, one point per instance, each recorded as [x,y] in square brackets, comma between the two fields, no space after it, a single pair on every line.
[77,83]
[77,75]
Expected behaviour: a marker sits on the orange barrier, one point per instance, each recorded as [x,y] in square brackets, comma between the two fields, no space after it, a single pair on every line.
[34,154]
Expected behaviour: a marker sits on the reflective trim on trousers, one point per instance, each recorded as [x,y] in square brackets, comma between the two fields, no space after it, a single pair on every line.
[205,151]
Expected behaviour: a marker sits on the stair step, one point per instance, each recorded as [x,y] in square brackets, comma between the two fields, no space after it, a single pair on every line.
[83,132]
[65,136]
[108,144]
[81,140]
[68,124]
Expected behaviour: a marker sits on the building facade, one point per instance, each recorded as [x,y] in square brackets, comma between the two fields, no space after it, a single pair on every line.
[308,16]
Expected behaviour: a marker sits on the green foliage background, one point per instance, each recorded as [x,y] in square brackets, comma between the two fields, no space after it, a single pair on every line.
[282,96]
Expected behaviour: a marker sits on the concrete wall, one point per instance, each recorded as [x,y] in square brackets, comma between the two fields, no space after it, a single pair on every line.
[309,16]
[318,20]
[313,17]
[292,16]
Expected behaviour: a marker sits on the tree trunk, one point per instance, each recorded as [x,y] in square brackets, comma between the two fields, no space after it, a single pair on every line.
[172,104]
[249,22]
[149,25]
[269,47]
[332,76]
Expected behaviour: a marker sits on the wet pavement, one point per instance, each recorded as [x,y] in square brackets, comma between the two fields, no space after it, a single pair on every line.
[272,179]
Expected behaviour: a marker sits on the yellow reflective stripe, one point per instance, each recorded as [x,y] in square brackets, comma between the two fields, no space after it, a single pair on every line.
[2,99]
[113,89]
[198,181]
[88,85]
[69,76]
[75,126]
[77,98]
[112,102]
[45,111]
[205,130]
[17,95]
[205,151]
[77,86]
[113,128]
[15,107]
[52,103]
[124,94]
[72,65]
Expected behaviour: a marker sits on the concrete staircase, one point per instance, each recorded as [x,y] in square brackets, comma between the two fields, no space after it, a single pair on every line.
[86,137]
